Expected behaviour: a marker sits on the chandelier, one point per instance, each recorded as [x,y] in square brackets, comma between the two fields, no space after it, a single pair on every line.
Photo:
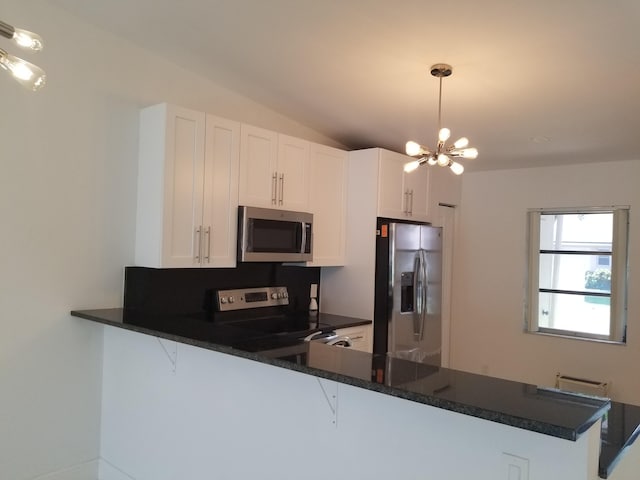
[442,155]
[27,74]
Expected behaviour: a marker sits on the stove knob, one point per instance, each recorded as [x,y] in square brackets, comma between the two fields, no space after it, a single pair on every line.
[223,300]
[274,295]
[231,299]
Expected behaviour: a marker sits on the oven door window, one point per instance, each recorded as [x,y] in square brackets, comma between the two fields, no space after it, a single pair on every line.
[274,236]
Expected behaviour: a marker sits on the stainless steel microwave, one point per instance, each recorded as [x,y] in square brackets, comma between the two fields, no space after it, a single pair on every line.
[270,235]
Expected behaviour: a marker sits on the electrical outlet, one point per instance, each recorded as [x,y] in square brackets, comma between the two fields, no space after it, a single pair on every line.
[515,468]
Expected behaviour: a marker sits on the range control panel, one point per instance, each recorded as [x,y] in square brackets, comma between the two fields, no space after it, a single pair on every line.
[251,298]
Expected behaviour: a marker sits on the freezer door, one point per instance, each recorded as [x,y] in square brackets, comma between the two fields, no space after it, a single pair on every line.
[415,331]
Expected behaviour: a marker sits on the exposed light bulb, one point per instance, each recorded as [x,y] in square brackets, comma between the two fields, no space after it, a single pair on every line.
[461,142]
[27,74]
[443,160]
[26,39]
[411,166]
[432,160]
[456,168]
[470,153]
[444,134]
[413,148]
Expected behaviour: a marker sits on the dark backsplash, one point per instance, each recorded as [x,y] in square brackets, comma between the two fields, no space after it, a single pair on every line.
[190,290]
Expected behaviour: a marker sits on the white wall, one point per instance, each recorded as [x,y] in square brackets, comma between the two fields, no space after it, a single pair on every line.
[67,202]
[489,276]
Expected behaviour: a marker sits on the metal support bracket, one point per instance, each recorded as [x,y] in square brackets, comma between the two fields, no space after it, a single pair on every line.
[171,351]
[330,391]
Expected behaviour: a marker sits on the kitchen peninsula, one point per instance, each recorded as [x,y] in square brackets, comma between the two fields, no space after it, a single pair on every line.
[169,400]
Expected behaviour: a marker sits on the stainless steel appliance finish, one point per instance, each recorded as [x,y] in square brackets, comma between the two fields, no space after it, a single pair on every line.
[271,235]
[415,292]
[240,299]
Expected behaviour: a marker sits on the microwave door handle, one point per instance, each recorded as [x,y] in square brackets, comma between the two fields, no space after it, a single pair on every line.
[303,242]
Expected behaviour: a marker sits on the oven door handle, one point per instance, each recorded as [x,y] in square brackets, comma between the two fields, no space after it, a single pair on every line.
[340,341]
[311,336]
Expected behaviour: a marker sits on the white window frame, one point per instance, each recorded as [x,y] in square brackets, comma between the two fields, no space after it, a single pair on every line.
[619,271]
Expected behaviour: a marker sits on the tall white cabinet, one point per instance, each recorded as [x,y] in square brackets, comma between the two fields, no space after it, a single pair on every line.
[187,187]
[274,170]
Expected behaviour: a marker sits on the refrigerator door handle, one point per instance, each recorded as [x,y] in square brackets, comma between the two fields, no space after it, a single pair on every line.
[419,295]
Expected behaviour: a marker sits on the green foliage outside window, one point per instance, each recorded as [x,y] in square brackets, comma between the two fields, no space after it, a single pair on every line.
[599,279]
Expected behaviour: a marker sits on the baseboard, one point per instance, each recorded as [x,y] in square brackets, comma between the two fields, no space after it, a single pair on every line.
[108,471]
[82,471]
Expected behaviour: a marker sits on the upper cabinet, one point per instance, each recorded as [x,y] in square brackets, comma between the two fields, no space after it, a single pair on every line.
[187,189]
[400,194]
[274,170]
[408,196]
[328,203]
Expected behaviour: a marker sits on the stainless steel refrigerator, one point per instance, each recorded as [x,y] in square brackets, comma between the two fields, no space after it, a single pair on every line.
[408,299]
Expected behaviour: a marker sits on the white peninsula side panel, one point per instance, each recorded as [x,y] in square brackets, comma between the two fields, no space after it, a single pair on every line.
[174,411]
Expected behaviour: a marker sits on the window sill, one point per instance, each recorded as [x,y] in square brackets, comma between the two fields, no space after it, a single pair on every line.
[577,337]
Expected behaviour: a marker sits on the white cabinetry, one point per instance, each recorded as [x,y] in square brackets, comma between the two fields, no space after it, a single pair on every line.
[187,189]
[401,195]
[361,337]
[273,170]
[328,203]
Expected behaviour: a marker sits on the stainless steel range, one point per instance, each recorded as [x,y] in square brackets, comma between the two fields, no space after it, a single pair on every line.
[263,324]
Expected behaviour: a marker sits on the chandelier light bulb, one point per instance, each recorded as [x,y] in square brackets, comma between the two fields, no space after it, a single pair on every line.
[456,168]
[443,160]
[413,148]
[411,166]
[28,40]
[469,153]
[444,134]
[461,142]
[432,160]
[27,74]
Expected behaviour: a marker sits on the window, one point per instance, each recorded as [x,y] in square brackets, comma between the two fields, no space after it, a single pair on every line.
[577,272]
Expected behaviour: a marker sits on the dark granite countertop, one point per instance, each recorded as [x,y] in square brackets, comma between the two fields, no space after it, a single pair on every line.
[542,410]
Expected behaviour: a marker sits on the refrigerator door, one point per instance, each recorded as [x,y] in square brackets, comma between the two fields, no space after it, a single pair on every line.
[414,290]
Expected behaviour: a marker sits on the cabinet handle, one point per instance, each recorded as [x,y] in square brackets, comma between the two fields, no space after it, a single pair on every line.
[274,187]
[198,241]
[207,232]
[406,202]
[411,204]
[281,188]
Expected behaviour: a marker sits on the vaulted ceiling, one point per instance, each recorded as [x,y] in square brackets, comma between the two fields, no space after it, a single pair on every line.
[534,83]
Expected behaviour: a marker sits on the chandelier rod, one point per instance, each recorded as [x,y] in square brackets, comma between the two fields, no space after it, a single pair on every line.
[440,105]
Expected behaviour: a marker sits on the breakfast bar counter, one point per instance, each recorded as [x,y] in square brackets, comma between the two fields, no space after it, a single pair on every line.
[543,411]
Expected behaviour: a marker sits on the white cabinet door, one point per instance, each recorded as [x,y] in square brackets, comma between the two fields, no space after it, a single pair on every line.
[220,206]
[258,167]
[274,170]
[185,189]
[392,194]
[402,195]
[293,173]
[328,203]
[417,189]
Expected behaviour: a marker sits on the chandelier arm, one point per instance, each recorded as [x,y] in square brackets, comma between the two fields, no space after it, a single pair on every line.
[6,30]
